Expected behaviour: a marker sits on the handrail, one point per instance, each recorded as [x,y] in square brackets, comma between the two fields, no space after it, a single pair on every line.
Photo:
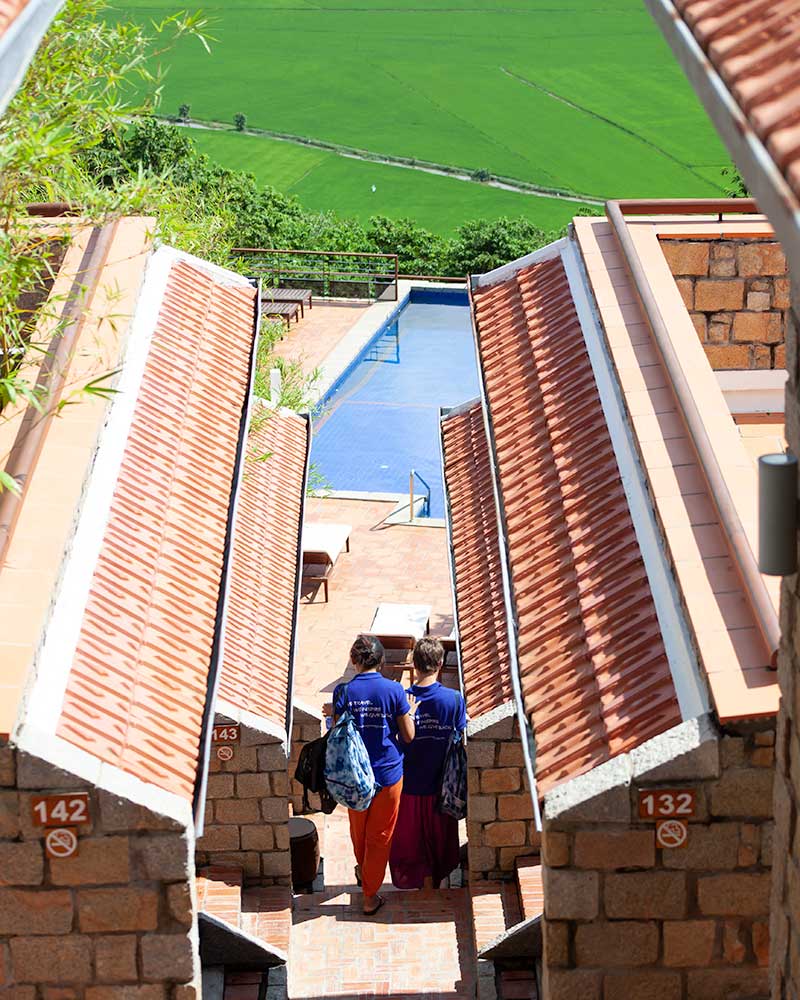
[686,206]
[759,598]
[426,506]
[315,253]
[365,270]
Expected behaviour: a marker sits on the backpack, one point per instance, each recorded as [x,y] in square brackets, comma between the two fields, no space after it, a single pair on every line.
[348,771]
[453,792]
[310,772]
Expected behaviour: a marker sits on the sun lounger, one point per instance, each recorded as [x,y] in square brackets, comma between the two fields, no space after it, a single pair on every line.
[398,626]
[302,296]
[287,311]
[322,546]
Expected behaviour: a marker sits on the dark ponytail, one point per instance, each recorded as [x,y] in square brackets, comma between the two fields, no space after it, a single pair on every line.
[366,653]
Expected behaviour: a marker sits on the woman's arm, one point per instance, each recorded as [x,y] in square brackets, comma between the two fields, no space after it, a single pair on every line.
[405,723]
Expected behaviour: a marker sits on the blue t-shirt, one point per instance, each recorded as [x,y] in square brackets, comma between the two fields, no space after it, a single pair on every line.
[375,704]
[440,711]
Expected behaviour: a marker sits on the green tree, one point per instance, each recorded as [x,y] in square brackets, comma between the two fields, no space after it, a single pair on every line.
[483,245]
[183,112]
[240,122]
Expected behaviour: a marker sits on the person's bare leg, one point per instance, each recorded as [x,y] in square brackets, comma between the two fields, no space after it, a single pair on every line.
[427,882]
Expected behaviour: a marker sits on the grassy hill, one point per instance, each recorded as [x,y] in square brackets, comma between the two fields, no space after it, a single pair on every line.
[577,96]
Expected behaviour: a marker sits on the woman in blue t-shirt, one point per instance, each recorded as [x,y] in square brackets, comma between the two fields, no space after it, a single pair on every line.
[384,717]
[425,846]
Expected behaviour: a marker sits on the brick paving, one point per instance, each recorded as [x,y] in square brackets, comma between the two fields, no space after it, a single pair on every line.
[311,339]
[419,945]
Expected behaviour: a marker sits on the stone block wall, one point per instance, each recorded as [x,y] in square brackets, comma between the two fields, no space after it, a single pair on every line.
[500,823]
[306,726]
[114,922]
[737,293]
[247,809]
[625,918]
[786,875]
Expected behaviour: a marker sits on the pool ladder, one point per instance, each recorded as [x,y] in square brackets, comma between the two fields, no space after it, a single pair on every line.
[426,503]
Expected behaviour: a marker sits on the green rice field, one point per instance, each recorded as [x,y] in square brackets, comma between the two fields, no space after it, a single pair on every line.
[323,180]
[580,96]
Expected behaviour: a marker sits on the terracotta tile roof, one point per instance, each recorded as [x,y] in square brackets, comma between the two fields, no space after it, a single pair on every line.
[594,673]
[731,647]
[263,584]
[137,690]
[755,47]
[480,605]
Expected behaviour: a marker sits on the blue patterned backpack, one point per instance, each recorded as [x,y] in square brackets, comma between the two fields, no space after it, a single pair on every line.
[348,771]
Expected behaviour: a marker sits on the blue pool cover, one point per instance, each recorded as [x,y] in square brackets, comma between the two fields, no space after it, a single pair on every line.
[381,420]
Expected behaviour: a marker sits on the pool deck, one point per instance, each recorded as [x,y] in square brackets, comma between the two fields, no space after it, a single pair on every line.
[320,331]
[397,563]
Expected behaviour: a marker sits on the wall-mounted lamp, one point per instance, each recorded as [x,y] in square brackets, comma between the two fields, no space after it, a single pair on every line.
[777,514]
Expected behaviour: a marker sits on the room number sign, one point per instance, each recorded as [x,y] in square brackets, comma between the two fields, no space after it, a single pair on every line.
[225,734]
[667,803]
[60,810]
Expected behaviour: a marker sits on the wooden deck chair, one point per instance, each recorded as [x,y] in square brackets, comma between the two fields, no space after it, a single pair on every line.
[322,546]
[302,296]
[398,626]
[287,311]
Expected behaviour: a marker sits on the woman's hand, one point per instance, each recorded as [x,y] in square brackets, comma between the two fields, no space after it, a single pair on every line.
[413,704]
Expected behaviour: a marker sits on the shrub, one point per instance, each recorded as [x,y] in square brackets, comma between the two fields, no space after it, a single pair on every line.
[183,112]
[240,122]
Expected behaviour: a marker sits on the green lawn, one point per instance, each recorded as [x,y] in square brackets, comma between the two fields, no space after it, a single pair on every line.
[322,180]
[580,96]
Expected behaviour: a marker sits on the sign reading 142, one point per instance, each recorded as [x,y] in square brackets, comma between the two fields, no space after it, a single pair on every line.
[60,810]
[667,803]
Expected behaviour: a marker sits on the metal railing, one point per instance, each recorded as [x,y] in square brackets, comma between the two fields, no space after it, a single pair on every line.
[327,273]
[426,503]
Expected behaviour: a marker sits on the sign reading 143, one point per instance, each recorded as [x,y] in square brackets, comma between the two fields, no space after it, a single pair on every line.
[666,803]
[60,810]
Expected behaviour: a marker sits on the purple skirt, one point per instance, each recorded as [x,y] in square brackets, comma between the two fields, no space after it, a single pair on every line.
[424,845]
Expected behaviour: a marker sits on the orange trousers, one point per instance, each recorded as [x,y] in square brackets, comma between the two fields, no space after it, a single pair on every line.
[371,832]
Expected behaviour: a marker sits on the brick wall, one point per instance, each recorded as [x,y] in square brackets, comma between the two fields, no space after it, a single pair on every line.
[786,895]
[626,919]
[500,824]
[737,293]
[114,922]
[306,726]
[247,809]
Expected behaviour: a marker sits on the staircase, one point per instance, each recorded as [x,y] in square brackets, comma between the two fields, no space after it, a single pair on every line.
[242,929]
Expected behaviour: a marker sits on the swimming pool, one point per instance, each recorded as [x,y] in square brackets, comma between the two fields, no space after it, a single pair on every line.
[381,418]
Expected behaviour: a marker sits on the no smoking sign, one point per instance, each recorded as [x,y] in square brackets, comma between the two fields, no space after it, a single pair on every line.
[672,833]
[61,842]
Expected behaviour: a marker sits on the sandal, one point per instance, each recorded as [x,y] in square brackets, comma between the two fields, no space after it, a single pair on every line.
[371,913]
[357,873]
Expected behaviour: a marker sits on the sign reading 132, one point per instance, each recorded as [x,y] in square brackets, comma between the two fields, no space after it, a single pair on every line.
[663,803]
[60,810]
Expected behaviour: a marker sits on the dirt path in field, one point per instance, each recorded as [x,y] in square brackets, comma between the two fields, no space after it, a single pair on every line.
[424,166]
[606,121]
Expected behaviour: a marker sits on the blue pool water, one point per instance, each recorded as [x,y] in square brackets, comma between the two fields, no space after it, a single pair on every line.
[382,418]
